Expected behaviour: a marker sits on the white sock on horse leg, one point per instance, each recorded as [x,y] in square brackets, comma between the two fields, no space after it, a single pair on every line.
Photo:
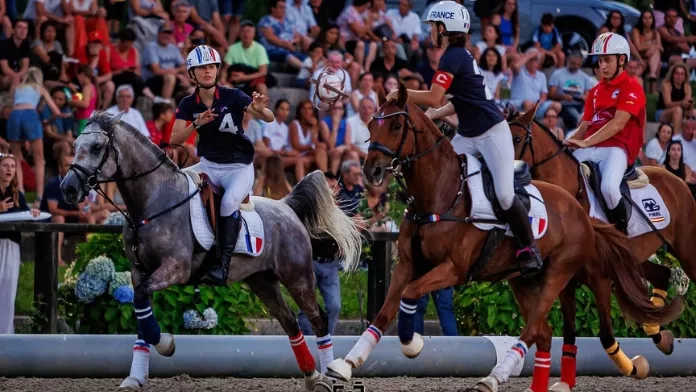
[512,358]
[364,346]
[326,355]
[140,367]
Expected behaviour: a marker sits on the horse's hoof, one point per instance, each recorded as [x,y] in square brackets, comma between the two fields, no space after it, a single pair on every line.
[414,348]
[560,387]
[340,370]
[318,383]
[131,383]
[666,344]
[488,384]
[166,347]
[642,367]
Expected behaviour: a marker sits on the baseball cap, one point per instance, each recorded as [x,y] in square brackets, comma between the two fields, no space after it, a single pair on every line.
[247,22]
[165,28]
[94,36]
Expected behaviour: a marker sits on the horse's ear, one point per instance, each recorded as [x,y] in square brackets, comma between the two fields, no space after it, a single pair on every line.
[403,95]
[115,119]
[381,96]
[528,117]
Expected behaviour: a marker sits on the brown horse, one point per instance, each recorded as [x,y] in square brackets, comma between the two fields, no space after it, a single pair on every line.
[433,256]
[550,161]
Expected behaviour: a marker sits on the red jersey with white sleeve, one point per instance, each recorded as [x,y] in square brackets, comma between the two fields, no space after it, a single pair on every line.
[621,93]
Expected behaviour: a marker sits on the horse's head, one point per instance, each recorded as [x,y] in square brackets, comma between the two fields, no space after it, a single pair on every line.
[95,157]
[521,128]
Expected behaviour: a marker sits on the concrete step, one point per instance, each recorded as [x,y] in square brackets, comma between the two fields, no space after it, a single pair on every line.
[285,79]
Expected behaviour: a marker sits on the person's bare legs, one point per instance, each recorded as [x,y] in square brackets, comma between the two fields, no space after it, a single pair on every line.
[37,153]
[168,84]
[16,150]
[61,237]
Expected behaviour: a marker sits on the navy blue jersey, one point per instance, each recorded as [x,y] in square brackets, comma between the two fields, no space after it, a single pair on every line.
[473,102]
[221,140]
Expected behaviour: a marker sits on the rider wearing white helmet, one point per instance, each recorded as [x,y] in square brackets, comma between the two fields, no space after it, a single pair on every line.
[216,112]
[482,127]
[611,132]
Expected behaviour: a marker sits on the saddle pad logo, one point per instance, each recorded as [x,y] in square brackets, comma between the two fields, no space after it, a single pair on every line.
[652,208]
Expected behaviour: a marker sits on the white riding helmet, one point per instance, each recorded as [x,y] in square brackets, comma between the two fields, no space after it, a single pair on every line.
[611,43]
[202,55]
[454,16]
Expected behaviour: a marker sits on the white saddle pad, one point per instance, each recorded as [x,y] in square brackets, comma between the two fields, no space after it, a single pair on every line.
[650,202]
[251,236]
[482,208]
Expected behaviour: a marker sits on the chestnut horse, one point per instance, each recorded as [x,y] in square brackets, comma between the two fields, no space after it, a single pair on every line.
[550,161]
[433,256]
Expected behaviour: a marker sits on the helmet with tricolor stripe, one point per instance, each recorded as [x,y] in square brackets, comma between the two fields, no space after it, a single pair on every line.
[202,55]
[611,43]
[455,17]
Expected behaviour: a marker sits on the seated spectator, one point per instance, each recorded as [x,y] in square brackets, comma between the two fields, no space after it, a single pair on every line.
[231,12]
[648,43]
[124,103]
[329,39]
[389,63]
[84,102]
[675,44]
[115,10]
[96,57]
[7,16]
[351,191]
[675,100]
[88,16]
[357,127]
[660,7]
[548,40]
[570,86]
[162,114]
[48,56]
[656,148]
[276,138]
[407,28]
[633,69]
[186,152]
[114,195]
[148,9]
[377,202]
[164,68]
[24,124]
[206,16]
[430,64]
[6,104]
[300,15]
[320,12]
[338,138]
[253,128]
[196,38]
[529,85]
[315,61]
[492,40]
[182,29]
[391,83]
[688,141]
[491,67]
[58,130]
[63,212]
[11,200]
[246,63]
[551,122]
[124,60]
[674,162]
[278,37]
[58,11]
[335,60]
[272,183]
[508,22]
[14,55]
[304,136]
[357,35]
[366,84]
[615,24]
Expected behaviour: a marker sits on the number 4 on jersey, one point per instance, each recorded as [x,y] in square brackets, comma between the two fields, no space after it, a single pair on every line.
[489,95]
[227,124]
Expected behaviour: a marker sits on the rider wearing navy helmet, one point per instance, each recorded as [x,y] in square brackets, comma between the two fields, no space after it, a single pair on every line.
[482,127]
[226,153]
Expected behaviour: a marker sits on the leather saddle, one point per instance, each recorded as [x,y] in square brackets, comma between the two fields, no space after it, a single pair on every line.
[595,181]
[522,178]
[211,196]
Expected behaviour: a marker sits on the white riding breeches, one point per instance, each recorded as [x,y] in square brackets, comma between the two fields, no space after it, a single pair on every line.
[613,163]
[237,179]
[498,152]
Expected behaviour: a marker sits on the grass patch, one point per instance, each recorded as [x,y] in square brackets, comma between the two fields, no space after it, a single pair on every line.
[24,302]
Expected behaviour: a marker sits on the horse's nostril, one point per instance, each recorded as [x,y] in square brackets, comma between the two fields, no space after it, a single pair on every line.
[377,171]
[70,191]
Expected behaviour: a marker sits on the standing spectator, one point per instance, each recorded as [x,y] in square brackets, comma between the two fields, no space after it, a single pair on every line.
[97,58]
[24,124]
[14,55]
[357,34]
[124,103]
[11,200]
[246,63]
[272,183]
[407,28]
[674,42]
[570,86]
[357,127]
[366,83]
[311,64]
[648,43]
[58,130]
[276,138]
[278,37]
[124,61]
[529,85]
[675,100]
[58,11]
[304,136]
[48,55]
[491,67]
[548,40]
[508,22]
[300,14]
[86,102]
[338,138]
[656,148]
[444,300]
[675,162]
[551,122]
[164,68]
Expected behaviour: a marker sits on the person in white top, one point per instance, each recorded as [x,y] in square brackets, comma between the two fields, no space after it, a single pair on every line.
[304,138]
[357,126]
[688,141]
[132,116]
[407,26]
[276,137]
[365,84]
[656,149]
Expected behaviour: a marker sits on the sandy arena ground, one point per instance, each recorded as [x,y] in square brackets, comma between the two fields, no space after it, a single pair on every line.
[400,384]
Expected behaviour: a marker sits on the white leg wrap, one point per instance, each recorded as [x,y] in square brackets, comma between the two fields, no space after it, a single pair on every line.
[326,355]
[140,367]
[362,349]
[514,355]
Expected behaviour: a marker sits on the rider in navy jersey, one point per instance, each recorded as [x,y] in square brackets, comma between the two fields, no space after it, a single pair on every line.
[227,154]
[482,127]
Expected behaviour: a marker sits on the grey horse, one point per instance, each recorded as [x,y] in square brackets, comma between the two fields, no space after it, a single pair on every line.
[161,245]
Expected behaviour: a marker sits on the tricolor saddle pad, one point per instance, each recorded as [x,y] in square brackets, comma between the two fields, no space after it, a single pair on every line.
[251,237]
[635,185]
[484,204]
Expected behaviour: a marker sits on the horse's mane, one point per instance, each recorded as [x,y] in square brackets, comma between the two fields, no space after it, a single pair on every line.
[105,121]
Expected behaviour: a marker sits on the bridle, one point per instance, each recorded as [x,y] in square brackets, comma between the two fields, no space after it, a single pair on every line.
[528,143]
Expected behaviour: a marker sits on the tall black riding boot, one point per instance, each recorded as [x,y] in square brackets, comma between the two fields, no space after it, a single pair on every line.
[619,217]
[228,231]
[528,256]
